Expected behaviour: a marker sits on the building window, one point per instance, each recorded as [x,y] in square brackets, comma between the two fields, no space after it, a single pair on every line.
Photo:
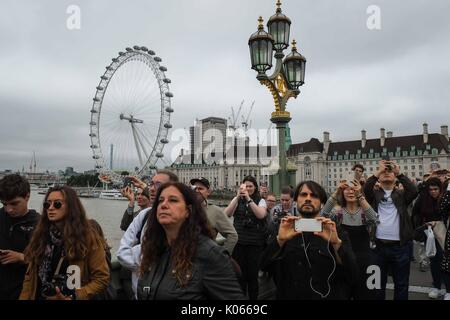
[434,152]
[377,155]
[420,173]
[428,147]
[419,152]
[307,168]
[340,169]
[413,167]
[413,174]
[405,153]
[420,167]
[335,170]
[405,167]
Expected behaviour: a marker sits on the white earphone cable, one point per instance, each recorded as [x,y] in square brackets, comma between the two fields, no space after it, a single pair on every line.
[323,296]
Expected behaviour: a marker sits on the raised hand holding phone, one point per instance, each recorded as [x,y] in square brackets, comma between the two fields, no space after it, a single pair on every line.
[287,230]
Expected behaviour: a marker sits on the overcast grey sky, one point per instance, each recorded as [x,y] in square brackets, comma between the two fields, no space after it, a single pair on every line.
[356,78]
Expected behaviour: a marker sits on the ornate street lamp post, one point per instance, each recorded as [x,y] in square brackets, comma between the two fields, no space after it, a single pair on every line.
[287,77]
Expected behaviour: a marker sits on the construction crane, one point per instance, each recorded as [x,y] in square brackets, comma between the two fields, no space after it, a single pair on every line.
[245,123]
[233,120]
[266,135]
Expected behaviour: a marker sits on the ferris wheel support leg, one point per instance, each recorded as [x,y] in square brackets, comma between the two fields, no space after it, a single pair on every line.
[138,136]
[136,140]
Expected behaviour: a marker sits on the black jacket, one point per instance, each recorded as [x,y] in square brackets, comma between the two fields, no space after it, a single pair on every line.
[213,277]
[401,199]
[127,219]
[15,235]
[295,278]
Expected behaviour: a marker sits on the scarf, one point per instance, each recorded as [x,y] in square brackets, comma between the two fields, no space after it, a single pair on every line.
[54,246]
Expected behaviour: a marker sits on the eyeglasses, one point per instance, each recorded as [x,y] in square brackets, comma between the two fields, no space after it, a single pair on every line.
[57,204]
[156,184]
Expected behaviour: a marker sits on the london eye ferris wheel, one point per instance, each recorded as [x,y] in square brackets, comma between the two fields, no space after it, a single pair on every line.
[130,115]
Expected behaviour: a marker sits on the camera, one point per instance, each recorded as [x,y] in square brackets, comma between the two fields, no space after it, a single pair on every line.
[60,281]
[278,215]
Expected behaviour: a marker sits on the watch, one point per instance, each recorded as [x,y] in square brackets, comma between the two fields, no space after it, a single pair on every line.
[250,201]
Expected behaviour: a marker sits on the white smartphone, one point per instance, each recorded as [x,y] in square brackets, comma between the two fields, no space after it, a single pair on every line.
[349,178]
[308,225]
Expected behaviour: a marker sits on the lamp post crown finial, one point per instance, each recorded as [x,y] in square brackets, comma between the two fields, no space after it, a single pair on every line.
[279,5]
[260,23]
[294,45]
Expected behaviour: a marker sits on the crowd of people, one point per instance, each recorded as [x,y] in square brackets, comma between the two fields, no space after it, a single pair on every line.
[179,246]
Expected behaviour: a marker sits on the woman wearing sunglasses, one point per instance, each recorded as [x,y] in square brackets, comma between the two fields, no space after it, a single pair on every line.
[66,255]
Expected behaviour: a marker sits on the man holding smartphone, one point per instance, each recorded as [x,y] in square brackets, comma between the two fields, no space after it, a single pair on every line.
[310,265]
[394,232]
[17,224]
[143,201]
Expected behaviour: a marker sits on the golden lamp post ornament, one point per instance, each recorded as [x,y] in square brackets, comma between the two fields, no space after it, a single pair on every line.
[288,76]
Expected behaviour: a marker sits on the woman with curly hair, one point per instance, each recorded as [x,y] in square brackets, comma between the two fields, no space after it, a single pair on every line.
[180,260]
[348,207]
[66,256]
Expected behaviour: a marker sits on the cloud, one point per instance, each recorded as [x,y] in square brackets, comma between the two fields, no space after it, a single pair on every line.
[395,78]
